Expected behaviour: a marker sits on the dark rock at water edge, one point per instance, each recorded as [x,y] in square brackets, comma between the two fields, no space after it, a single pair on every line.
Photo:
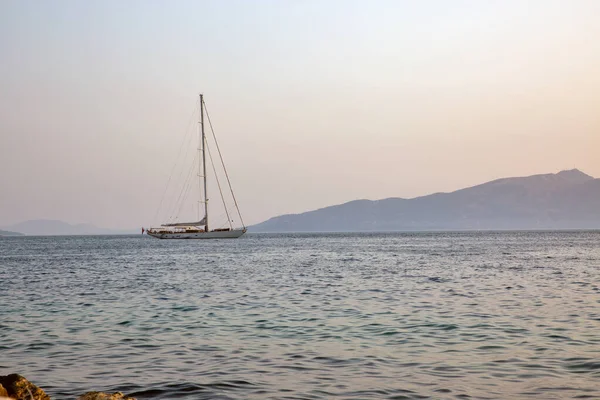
[19,388]
[15,386]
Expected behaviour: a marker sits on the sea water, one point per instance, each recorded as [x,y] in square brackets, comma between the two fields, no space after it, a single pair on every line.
[478,315]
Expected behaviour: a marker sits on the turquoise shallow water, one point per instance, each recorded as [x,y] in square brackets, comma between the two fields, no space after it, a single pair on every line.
[349,316]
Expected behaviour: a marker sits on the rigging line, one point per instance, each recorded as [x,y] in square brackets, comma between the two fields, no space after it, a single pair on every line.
[181,175]
[187,191]
[188,186]
[218,183]
[184,195]
[185,188]
[232,221]
[218,218]
[174,203]
[224,168]
[173,169]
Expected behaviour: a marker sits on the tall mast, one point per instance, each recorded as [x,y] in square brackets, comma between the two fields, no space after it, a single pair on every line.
[202,148]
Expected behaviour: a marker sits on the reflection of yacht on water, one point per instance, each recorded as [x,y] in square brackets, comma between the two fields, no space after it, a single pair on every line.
[200,229]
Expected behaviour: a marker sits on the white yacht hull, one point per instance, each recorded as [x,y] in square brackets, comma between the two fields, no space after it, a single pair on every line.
[236,233]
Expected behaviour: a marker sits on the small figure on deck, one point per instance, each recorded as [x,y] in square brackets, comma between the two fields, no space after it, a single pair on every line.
[143,230]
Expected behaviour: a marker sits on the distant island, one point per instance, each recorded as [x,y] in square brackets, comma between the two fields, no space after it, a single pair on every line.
[565,200]
[48,227]
[9,233]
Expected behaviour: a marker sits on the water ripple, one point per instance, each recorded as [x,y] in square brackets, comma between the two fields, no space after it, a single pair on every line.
[352,316]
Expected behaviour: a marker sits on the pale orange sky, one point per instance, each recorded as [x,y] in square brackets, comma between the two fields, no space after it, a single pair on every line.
[315,103]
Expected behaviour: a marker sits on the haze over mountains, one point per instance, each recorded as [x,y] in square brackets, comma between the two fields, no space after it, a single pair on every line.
[566,200]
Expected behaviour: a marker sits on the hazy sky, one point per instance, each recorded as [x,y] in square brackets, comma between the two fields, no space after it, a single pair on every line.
[315,102]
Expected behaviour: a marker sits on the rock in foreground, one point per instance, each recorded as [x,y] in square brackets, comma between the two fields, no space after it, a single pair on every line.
[19,388]
[16,387]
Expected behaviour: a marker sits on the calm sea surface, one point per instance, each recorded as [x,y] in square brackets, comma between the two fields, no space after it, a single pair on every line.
[350,316]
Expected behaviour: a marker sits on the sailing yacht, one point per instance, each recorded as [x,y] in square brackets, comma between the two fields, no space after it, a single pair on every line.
[200,229]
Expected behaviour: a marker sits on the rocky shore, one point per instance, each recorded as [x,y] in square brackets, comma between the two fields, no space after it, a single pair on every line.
[16,387]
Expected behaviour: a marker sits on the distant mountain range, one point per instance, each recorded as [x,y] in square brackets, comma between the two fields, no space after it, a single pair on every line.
[566,200]
[53,227]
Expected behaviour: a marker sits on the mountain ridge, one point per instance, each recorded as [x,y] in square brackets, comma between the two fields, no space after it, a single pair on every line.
[565,200]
